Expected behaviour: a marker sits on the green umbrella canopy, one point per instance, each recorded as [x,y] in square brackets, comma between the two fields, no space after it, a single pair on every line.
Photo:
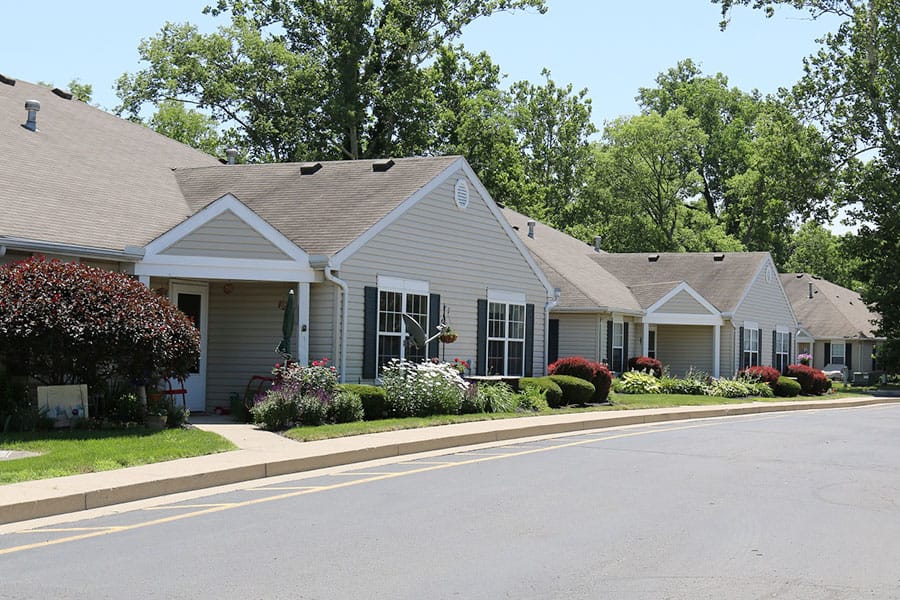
[287,325]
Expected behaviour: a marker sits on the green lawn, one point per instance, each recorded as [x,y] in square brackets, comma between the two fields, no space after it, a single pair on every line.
[619,402]
[66,452]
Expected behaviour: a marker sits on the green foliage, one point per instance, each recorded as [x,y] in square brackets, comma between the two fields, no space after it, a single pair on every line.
[638,382]
[126,408]
[276,411]
[17,412]
[72,323]
[187,126]
[345,407]
[422,389]
[532,398]
[371,396]
[574,389]
[312,409]
[731,388]
[817,251]
[551,390]
[177,416]
[497,397]
[693,383]
[762,389]
[787,388]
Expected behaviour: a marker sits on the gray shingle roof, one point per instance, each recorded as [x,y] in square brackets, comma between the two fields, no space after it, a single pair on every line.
[86,177]
[569,265]
[832,312]
[723,283]
[321,212]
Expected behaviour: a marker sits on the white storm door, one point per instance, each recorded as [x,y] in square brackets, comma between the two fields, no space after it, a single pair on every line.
[192,298]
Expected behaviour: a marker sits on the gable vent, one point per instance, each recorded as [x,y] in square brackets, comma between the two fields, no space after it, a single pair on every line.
[380,166]
[461,193]
[309,168]
[718,257]
[653,258]
[7,80]
[62,94]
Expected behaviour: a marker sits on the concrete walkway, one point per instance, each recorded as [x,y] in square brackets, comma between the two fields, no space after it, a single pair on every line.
[262,454]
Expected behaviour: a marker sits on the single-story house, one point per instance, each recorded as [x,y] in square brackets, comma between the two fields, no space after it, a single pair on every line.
[359,242]
[837,327]
[713,312]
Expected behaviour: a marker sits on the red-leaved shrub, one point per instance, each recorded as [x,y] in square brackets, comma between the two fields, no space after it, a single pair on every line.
[71,323]
[813,382]
[645,363]
[577,366]
[768,375]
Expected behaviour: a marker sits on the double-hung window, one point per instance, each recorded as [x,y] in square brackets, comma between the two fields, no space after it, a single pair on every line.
[838,353]
[396,297]
[651,343]
[506,334]
[751,346]
[782,351]
[618,347]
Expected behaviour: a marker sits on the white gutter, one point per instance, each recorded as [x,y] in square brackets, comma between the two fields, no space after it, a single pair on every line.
[551,302]
[345,304]
[128,254]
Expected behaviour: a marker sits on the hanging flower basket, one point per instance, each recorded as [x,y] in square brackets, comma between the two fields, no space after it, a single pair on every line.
[449,336]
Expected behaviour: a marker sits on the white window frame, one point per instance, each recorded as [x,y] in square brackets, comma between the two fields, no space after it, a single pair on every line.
[843,346]
[751,335]
[782,349]
[618,329]
[651,342]
[506,300]
[406,288]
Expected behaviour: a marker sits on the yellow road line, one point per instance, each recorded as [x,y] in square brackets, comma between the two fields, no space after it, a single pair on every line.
[279,487]
[293,494]
[68,529]
[178,506]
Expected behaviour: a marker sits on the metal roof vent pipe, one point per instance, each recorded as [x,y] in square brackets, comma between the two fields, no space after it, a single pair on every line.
[231,154]
[810,289]
[531,228]
[598,243]
[32,106]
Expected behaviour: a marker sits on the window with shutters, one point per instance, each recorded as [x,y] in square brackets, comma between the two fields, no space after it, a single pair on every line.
[394,299]
[751,347]
[506,338]
[838,353]
[782,351]
[617,360]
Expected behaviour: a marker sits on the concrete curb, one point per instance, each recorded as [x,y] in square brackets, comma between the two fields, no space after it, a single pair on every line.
[43,498]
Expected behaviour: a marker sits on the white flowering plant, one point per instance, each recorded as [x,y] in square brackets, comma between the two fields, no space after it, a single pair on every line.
[430,387]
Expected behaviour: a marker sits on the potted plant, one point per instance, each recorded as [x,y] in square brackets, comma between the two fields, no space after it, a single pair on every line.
[448,335]
[805,359]
[157,416]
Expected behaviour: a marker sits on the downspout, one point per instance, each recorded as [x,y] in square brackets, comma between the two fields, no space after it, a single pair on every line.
[345,303]
[552,301]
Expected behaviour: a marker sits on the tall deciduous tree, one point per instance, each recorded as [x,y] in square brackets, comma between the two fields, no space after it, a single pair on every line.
[172,119]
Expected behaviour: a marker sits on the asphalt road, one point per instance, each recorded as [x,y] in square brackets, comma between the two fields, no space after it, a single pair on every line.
[787,505]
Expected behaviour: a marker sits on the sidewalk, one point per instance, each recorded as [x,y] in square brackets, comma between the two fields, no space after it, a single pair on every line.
[263,454]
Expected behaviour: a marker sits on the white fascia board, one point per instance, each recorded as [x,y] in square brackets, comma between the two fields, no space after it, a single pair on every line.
[681,319]
[227,203]
[684,287]
[224,268]
[128,254]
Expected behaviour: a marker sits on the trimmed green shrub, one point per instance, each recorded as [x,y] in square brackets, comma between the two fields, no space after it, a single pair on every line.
[372,398]
[552,392]
[345,407]
[575,390]
[596,373]
[311,409]
[276,411]
[638,382]
[647,364]
[786,387]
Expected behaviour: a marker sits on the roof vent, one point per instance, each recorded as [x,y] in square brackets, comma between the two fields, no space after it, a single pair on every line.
[653,258]
[7,80]
[598,243]
[32,106]
[461,193]
[62,94]
[380,166]
[309,168]
[231,155]
[810,289]
[531,228]
[718,257]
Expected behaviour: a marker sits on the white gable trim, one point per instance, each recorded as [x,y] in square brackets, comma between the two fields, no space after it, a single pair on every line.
[458,164]
[684,287]
[157,264]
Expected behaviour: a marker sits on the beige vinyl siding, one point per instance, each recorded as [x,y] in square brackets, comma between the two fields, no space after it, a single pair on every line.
[681,347]
[324,317]
[226,236]
[683,304]
[727,348]
[244,330]
[766,305]
[579,335]
[460,252]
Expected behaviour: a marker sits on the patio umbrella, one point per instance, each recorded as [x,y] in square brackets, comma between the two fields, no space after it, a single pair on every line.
[287,326]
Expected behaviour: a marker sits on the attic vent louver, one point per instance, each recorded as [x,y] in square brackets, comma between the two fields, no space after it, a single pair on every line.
[380,166]
[718,257]
[653,258]
[461,193]
[309,168]
[7,80]
[62,94]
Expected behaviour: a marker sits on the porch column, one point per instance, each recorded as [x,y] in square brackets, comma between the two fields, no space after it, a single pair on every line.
[717,343]
[645,341]
[302,350]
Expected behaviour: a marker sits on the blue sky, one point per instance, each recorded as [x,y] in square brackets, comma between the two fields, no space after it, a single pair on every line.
[611,48]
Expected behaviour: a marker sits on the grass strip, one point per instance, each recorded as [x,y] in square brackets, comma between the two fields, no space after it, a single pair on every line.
[67,452]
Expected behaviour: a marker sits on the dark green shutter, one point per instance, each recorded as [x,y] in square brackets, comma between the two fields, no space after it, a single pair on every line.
[609,333]
[624,347]
[741,351]
[774,337]
[827,358]
[790,357]
[529,340]
[481,338]
[553,345]
[370,333]
[848,356]
[434,323]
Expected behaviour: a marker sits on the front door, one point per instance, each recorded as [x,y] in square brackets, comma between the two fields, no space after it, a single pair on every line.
[191,298]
